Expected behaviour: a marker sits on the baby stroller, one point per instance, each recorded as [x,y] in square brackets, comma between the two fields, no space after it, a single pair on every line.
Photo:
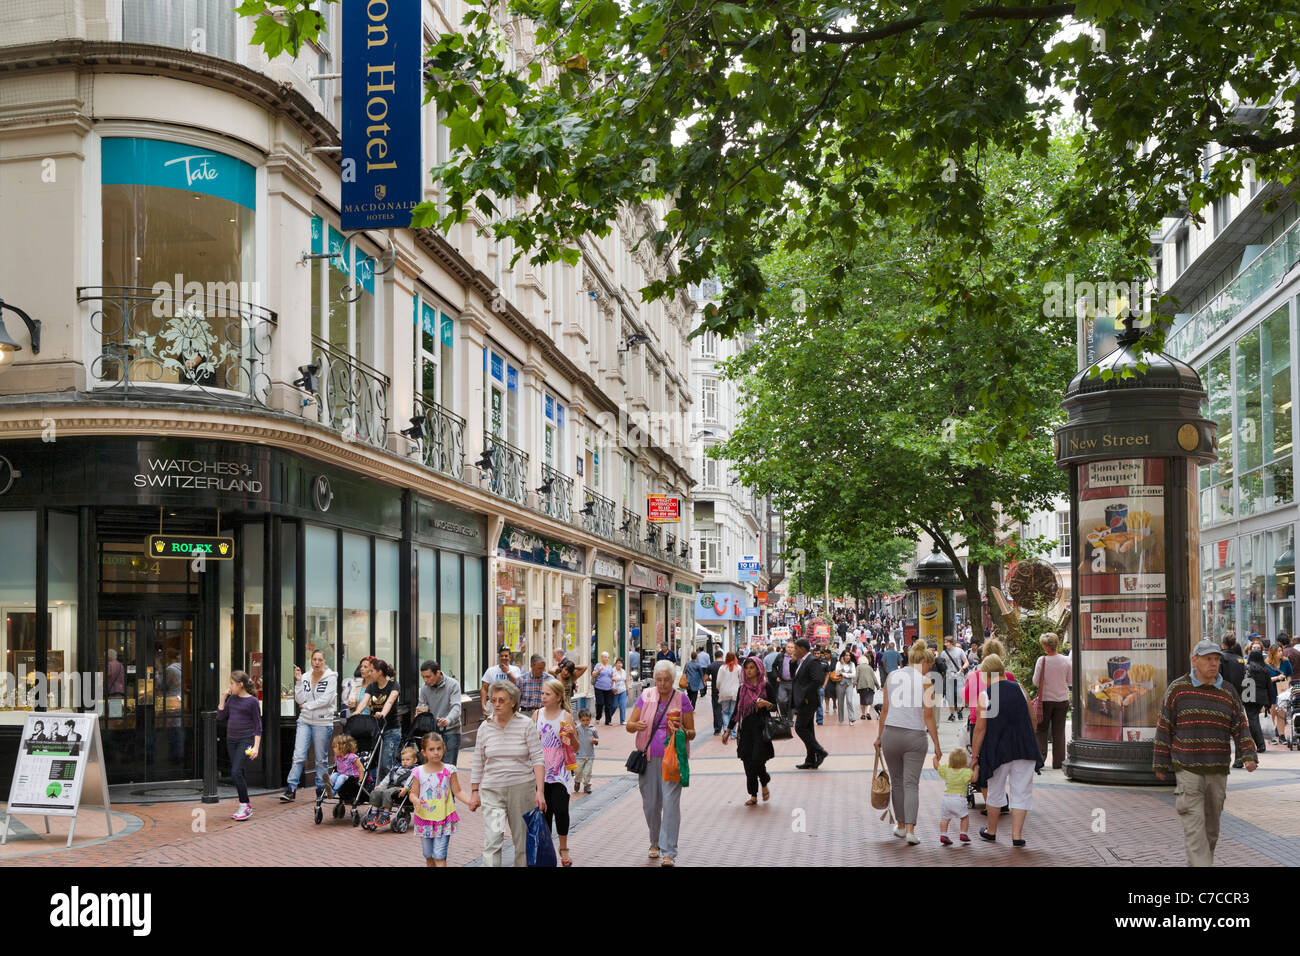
[1290,704]
[399,818]
[368,733]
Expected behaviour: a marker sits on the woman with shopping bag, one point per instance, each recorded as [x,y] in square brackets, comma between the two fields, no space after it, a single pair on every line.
[754,745]
[660,712]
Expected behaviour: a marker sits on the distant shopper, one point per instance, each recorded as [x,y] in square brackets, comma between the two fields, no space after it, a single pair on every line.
[1261,694]
[1052,674]
[588,741]
[620,690]
[866,685]
[501,670]
[440,698]
[317,695]
[602,681]
[242,713]
[728,683]
[1200,716]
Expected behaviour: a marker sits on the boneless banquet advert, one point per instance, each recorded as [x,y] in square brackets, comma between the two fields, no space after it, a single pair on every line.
[1122,597]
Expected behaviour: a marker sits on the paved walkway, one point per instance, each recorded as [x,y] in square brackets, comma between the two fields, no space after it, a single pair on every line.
[814,818]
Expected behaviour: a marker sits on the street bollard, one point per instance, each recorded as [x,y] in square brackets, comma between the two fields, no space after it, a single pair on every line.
[209,719]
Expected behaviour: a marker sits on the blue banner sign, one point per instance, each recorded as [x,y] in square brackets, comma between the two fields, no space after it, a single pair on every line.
[382,93]
[156,162]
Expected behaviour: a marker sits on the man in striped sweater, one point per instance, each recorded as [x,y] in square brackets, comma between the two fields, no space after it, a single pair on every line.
[1200,717]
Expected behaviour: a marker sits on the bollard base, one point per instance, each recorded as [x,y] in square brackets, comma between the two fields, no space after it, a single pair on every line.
[1097,761]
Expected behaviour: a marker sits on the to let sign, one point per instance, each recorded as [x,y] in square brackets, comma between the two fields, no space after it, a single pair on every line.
[662,508]
[191,546]
[382,93]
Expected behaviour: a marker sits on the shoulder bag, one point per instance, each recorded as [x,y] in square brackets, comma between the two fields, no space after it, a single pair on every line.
[880,789]
[638,760]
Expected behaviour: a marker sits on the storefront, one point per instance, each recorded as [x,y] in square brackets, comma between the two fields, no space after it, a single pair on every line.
[303,556]
[721,611]
[539,583]
[647,613]
[607,577]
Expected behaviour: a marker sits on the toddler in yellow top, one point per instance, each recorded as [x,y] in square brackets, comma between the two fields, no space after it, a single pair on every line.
[956,778]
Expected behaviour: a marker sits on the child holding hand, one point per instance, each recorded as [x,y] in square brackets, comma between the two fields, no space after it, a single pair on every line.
[956,778]
[435,787]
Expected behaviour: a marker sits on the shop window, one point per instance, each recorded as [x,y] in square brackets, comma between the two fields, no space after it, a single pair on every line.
[178,270]
[1263,423]
[61,565]
[388,582]
[569,619]
[473,621]
[1279,581]
[253,605]
[289,617]
[1216,480]
[435,334]
[427,639]
[1253,584]
[512,608]
[322,599]
[1218,588]
[356,601]
[449,621]
[18,607]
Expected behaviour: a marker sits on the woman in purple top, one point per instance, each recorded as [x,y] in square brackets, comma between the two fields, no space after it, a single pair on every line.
[243,715]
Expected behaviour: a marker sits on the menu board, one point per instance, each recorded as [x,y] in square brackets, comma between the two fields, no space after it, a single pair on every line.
[1122,634]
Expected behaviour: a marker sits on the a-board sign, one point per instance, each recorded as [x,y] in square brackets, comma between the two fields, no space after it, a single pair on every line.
[55,753]
[191,546]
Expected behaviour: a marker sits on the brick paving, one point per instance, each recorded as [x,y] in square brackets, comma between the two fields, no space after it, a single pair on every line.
[815,818]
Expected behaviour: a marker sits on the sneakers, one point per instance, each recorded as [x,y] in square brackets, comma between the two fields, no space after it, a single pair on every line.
[587,787]
[913,839]
[243,813]
[900,832]
[383,819]
[964,838]
[288,795]
[944,840]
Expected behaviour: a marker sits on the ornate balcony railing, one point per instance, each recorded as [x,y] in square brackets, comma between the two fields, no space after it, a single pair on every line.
[598,513]
[443,447]
[558,501]
[508,474]
[631,530]
[353,397]
[208,343]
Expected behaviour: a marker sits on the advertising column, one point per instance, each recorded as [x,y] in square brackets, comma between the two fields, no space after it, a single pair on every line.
[1122,598]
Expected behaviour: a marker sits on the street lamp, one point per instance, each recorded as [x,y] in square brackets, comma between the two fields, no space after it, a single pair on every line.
[33,329]
[827,609]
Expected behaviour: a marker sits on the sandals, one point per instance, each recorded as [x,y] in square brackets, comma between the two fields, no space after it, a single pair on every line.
[766,796]
[564,858]
[752,802]
[667,861]
[654,853]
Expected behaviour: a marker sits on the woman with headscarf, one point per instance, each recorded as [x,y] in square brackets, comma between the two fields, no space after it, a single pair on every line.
[753,746]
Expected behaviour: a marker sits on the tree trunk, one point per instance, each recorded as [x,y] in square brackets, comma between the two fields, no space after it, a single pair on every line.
[993,579]
[974,607]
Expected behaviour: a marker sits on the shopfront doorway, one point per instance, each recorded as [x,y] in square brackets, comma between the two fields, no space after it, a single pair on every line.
[149,713]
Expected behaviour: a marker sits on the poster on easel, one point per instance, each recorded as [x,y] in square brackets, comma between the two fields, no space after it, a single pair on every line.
[55,756]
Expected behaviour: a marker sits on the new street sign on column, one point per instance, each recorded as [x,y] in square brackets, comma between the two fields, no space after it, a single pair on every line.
[382,93]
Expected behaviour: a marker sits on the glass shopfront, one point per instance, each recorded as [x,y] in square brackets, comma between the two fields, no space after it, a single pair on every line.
[539,583]
[606,611]
[148,642]
[1248,585]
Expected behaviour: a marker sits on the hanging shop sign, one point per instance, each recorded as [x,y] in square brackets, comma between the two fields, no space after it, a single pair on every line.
[665,508]
[191,546]
[382,94]
[524,545]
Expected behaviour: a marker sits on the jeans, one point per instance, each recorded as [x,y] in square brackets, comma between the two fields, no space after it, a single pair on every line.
[821,700]
[728,708]
[620,701]
[451,740]
[337,780]
[318,740]
[388,756]
[435,848]
[661,801]
[717,714]
[236,747]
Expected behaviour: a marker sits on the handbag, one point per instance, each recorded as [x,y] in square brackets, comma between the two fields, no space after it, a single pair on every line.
[880,797]
[777,726]
[1036,709]
[638,760]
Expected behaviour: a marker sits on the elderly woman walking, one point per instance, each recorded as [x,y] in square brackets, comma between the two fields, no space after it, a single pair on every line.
[866,685]
[1006,751]
[509,775]
[1052,675]
[905,722]
[753,746]
[658,713]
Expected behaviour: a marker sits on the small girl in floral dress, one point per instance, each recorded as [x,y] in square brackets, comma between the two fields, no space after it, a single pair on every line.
[433,786]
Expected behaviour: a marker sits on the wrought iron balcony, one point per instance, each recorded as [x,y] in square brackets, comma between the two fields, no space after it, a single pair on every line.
[631,530]
[557,501]
[507,475]
[443,446]
[598,513]
[159,345]
[353,397]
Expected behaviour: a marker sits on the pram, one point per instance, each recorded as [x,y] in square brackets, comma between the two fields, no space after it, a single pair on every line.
[399,818]
[369,735]
[1290,704]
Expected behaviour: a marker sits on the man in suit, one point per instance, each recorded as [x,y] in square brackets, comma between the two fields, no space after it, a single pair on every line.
[807,676]
[781,677]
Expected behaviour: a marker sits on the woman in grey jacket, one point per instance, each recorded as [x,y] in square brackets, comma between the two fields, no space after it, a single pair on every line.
[866,686]
[317,695]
